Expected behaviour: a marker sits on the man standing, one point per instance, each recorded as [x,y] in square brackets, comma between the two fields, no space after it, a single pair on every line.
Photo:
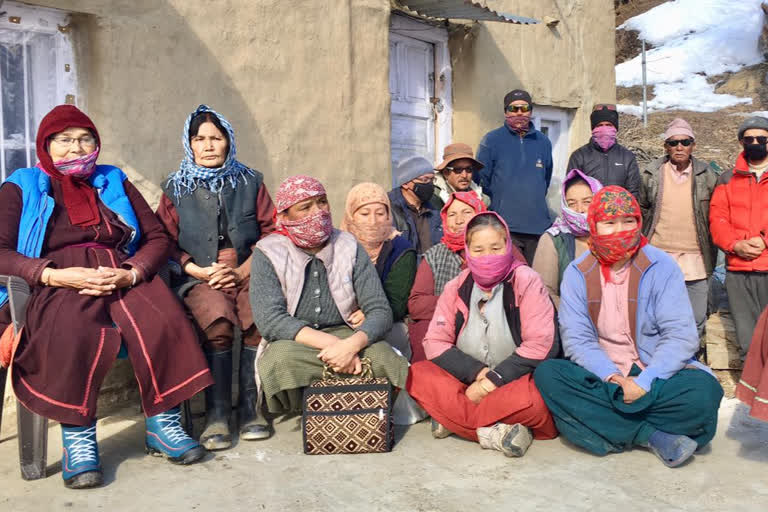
[412,214]
[602,157]
[674,197]
[454,174]
[738,219]
[518,168]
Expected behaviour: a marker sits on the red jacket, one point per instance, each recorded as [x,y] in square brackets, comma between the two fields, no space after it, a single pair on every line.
[738,211]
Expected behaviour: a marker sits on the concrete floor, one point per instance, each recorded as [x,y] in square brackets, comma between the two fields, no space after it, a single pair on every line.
[422,474]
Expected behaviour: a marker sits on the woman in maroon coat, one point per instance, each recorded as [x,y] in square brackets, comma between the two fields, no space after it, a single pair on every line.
[89,246]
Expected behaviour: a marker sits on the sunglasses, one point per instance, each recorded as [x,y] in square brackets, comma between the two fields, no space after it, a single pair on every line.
[518,108]
[674,143]
[604,106]
[460,170]
[760,139]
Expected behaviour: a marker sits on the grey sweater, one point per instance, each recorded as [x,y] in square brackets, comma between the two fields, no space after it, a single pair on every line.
[316,308]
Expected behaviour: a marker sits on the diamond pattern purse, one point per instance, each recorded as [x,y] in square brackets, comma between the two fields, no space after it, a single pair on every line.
[348,415]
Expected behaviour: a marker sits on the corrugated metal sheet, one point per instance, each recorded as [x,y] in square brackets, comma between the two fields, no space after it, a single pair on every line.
[462,10]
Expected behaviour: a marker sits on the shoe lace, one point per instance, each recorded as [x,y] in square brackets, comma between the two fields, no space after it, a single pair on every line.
[170,424]
[83,448]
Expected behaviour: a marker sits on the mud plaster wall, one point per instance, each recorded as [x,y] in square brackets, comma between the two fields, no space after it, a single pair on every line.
[570,65]
[303,82]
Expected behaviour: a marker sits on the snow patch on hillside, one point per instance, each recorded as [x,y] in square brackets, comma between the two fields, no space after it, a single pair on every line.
[693,39]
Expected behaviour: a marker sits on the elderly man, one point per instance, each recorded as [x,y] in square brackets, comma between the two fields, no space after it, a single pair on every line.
[674,196]
[454,174]
[518,169]
[412,213]
[602,157]
[738,217]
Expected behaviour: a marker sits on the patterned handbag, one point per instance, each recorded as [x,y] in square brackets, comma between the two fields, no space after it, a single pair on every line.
[348,415]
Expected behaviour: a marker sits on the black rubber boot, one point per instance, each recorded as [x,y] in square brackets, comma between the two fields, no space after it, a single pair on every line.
[218,402]
[253,425]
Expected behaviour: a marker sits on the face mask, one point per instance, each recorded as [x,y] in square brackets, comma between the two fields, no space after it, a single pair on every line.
[605,136]
[310,232]
[755,152]
[81,167]
[424,191]
[518,124]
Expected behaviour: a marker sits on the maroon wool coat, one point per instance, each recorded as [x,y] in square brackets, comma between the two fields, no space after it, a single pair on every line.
[70,340]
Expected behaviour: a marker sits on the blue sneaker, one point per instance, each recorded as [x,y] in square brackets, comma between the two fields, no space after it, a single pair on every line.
[80,464]
[167,438]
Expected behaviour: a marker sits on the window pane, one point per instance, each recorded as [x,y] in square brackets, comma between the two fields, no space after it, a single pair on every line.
[12,72]
[14,159]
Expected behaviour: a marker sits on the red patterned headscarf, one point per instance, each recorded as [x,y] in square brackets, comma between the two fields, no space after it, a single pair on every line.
[609,203]
[455,241]
[79,195]
[309,232]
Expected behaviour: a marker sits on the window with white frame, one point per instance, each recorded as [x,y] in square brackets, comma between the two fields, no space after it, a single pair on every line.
[36,74]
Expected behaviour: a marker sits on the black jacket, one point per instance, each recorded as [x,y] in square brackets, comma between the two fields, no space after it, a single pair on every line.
[617,166]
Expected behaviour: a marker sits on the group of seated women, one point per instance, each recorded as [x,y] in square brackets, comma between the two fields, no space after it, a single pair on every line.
[470,333]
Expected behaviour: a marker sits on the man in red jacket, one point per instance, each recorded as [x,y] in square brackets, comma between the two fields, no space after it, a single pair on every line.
[738,217]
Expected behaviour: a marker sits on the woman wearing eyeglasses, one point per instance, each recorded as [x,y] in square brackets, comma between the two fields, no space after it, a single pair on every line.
[674,197]
[454,174]
[89,246]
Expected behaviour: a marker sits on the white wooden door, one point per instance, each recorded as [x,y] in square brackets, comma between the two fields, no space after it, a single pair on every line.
[555,124]
[411,85]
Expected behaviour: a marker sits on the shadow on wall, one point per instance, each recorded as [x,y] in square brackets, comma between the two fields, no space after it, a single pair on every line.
[144,69]
[482,75]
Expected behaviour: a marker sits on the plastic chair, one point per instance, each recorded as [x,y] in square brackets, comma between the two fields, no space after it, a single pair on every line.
[32,429]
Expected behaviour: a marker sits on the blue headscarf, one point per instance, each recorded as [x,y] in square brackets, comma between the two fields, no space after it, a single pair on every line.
[191,175]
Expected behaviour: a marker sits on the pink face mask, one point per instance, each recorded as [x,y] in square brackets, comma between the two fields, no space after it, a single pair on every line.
[310,232]
[605,136]
[491,269]
[81,167]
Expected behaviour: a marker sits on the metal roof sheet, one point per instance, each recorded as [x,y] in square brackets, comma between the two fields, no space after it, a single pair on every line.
[463,10]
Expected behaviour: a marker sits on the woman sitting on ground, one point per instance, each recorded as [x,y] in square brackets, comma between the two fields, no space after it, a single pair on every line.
[367,216]
[493,325]
[440,264]
[89,246]
[629,332]
[568,238]
[307,279]
[216,209]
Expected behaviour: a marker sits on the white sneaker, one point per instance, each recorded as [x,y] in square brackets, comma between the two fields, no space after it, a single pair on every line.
[511,440]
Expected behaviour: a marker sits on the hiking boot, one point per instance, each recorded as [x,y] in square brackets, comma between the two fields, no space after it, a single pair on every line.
[167,438]
[80,464]
[511,440]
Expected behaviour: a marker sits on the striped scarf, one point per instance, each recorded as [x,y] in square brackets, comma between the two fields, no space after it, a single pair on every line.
[191,175]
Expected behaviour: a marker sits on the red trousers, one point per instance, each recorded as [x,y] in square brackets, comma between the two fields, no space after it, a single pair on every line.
[442,396]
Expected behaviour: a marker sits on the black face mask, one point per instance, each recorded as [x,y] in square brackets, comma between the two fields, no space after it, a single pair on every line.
[424,191]
[755,152]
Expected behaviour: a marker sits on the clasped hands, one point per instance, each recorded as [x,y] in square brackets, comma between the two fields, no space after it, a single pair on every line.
[97,282]
[750,248]
[631,390]
[218,275]
[342,356]
[481,388]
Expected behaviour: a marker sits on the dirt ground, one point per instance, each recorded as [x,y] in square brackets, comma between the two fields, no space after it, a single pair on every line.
[421,474]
